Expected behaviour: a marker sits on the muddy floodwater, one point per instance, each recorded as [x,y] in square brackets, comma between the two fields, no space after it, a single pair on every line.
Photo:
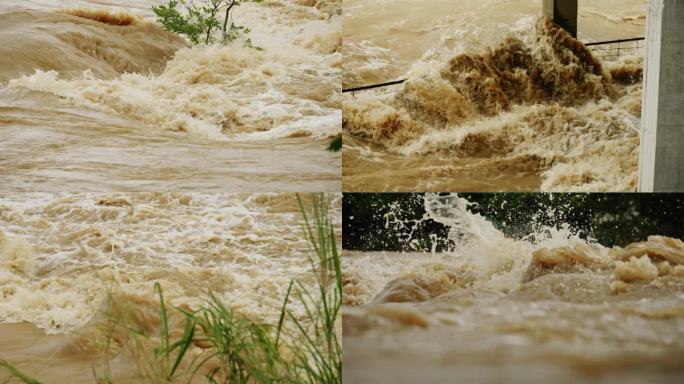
[494,309]
[496,99]
[69,261]
[97,97]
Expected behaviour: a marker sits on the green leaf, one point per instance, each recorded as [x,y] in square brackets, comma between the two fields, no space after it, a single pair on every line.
[336,144]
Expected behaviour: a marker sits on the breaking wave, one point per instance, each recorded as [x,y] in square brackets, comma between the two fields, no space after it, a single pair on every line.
[72,41]
[539,94]
[104,16]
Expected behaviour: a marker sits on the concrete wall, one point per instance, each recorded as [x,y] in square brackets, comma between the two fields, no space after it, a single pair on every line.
[563,12]
[661,164]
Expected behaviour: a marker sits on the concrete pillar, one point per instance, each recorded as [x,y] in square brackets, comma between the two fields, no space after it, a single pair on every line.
[661,162]
[563,12]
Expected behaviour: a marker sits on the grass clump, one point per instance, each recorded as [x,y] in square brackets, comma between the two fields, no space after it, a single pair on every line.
[320,358]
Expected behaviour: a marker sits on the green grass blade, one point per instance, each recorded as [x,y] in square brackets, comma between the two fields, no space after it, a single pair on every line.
[18,374]
[282,314]
[183,344]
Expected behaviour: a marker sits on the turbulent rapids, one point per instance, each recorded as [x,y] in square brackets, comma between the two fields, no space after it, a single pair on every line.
[69,75]
[551,304]
[62,256]
[209,91]
[536,110]
[554,68]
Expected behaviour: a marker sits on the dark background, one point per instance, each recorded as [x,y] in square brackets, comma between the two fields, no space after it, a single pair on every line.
[612,219]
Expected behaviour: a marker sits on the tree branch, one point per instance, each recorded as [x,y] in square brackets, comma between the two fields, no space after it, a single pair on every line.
[225,21]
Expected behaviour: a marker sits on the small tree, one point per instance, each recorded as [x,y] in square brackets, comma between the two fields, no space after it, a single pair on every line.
[200,22]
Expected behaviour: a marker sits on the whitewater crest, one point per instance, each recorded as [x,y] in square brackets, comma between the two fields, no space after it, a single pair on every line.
[15,256]
[538,98]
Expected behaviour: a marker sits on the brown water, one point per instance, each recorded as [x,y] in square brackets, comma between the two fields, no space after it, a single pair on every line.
[61,255]
[496,309]
[106,100]
[496,99]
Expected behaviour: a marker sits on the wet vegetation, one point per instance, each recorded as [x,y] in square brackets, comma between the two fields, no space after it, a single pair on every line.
[200,22]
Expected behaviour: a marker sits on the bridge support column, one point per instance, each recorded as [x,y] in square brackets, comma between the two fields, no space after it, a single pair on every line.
[661,162]
[563,12]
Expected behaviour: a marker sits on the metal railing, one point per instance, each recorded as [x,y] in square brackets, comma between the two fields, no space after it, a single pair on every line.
[609,50]
[367,87]
[612,50]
